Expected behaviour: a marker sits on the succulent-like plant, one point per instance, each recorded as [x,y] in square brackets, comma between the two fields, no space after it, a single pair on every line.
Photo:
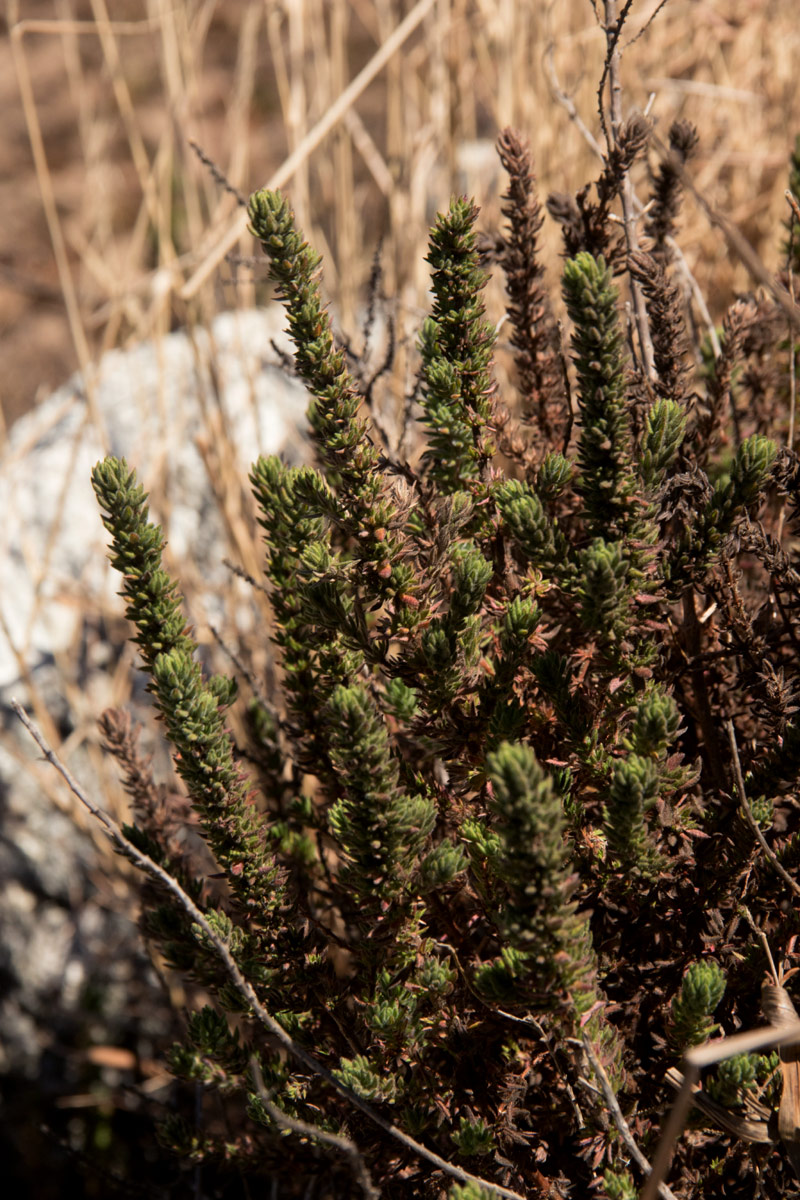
[458,862]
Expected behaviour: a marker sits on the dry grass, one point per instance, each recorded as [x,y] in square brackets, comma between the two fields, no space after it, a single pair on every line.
[112,96]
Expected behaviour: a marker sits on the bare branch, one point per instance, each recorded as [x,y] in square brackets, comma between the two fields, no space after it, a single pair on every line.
[619,1120]
[646,25]
[795,207]
[680,262]
[566,102]
[612,27]
[218,174]
[611,71]
[736,240]
[243,987]
[772,858]
[295,1125]
[754,1127]
[693,1062]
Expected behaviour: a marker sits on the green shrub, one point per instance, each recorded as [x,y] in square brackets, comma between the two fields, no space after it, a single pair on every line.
[493,807]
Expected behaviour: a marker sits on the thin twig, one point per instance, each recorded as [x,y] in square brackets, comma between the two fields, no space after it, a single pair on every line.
[295,1125]
[795,207]
[566,102]
[737,242]
[567,390]
[246,576]
[323,127]
[218,174]
[646,25]
[752,822]
[255,686]
[619,1120]
[47,191]
[611,70]
[753,1127]
[631,205]
[612,27]
[680,261]
[245,989]
[581,1123]
[693,1063]
[744,911]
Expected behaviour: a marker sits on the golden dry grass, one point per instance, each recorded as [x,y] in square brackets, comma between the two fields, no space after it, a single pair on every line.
[112,94]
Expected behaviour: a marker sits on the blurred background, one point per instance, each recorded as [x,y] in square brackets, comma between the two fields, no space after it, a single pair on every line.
[131,129]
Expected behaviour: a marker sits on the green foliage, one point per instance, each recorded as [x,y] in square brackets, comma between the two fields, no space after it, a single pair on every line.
[471,573]
[456,349]
[656,724]
[137,544]
[524,516]
[473,1137]
[664,430]
[734,1076]
[701,991]
[632,793]
[619,1185]
[763,810]
[602,589]
[216,1053]
[359,1074]
[553,477]
[538,919]
[733,495]
[340,434]
[488,794]
[441,865]
[190,707]
[604,451]
[380,830]
[342,437]
[469,1191]
[401,700]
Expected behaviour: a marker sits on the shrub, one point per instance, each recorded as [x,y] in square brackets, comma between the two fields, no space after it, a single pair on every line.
[486,842]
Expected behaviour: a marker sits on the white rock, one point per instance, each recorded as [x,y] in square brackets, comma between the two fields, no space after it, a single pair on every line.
[152,400]
[56,933]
